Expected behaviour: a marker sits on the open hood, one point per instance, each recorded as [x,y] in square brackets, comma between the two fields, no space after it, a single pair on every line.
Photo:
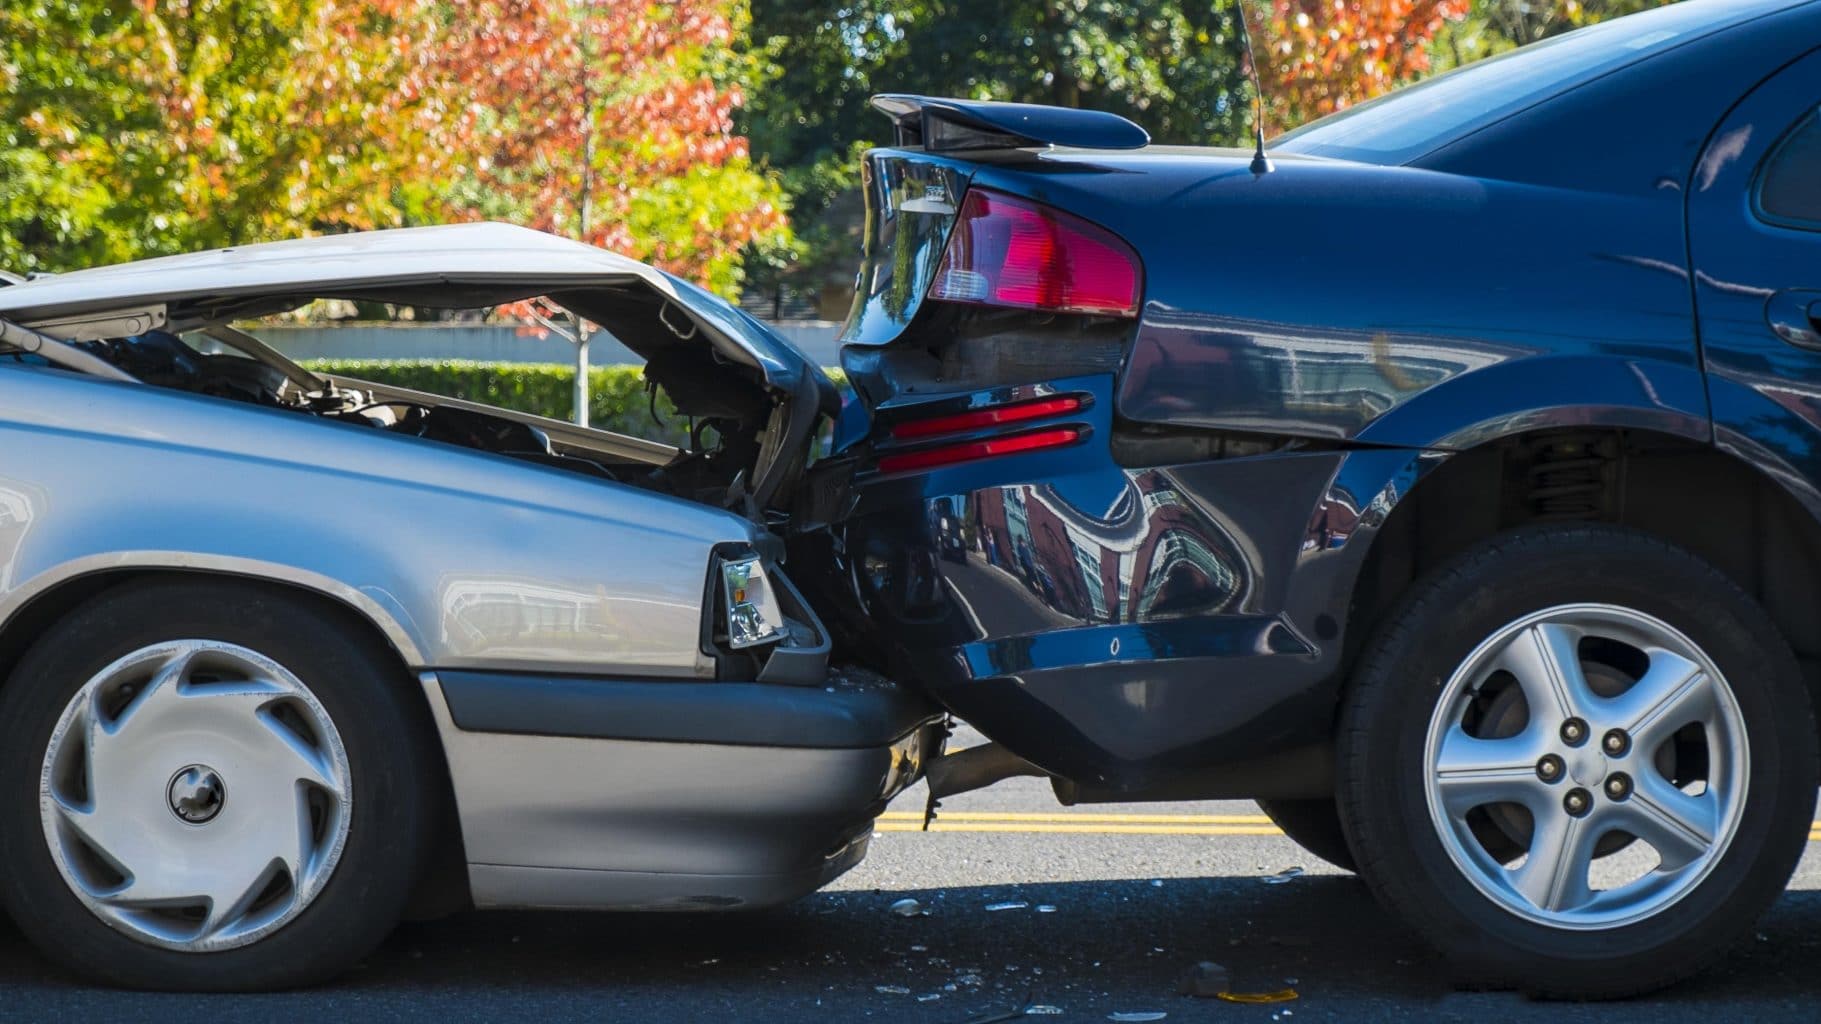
[710,357]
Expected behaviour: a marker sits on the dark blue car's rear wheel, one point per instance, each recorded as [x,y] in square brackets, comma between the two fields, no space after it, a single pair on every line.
[1579,761]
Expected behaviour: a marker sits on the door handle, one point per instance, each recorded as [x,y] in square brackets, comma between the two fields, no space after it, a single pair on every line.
[1795,316]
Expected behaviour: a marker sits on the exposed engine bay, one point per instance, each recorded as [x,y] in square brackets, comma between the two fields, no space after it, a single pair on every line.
[723,442]
[729,413]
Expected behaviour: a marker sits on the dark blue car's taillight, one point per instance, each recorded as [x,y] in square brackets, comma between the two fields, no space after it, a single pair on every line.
[1009,251]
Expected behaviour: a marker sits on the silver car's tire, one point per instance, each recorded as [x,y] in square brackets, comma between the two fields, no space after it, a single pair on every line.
[209,786]
[1579,760]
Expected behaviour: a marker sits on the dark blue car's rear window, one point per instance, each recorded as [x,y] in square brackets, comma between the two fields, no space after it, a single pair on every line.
[1413,121]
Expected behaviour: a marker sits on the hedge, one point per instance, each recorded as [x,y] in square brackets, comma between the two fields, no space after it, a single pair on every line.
[617,399]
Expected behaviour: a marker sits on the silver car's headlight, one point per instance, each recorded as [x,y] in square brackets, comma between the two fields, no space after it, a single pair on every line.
[749,609]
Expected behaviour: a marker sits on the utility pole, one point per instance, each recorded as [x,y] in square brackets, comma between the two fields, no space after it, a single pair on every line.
[583,210]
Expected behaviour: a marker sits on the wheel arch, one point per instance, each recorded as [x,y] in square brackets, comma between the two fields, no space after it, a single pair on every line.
[443,887]
[1737,516]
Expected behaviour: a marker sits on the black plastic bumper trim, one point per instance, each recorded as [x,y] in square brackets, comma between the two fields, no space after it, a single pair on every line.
[844,715]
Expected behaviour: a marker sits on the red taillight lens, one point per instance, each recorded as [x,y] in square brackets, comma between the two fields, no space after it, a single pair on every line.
[977,419]
[1007,251]
[948,455]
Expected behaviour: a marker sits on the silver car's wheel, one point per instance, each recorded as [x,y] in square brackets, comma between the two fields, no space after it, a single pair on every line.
[195,795]
[1621,793]
[212,784]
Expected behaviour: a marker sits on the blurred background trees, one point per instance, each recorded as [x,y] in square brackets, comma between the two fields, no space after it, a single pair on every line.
[679,131]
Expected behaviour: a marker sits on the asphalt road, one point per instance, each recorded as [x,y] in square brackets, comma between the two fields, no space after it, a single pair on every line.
[1139,893]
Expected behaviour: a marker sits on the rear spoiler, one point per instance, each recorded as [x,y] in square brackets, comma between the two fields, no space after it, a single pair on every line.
[945,125]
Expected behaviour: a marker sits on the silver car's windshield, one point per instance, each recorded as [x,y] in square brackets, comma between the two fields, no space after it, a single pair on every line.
[1421,118]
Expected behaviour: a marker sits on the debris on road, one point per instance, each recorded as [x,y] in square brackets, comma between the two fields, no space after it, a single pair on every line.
[1007,905]
[1204,980]
[1136,1017]
[1282,876]
[1046,908]
[908,907]
[891,990]
[1280,996]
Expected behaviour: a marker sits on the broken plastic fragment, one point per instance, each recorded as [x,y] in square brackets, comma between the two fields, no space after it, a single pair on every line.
[1156,883]
[1280,996]
[1042,1010]
[891,990]
[1138,1015]
[1282,876]
[1046,908]
[1008,905]
[1204,980]
[929,997]
[908,907]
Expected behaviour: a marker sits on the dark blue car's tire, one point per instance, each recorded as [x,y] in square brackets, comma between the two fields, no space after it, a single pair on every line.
[1313,825]
[1579,761]
[210,786]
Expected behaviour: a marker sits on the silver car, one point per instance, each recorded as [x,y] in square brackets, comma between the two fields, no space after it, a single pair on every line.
[290,654]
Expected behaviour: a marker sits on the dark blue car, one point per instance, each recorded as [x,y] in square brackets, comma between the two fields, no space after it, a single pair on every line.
[1449,484]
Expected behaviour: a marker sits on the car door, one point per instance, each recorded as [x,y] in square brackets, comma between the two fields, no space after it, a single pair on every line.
[1754,221]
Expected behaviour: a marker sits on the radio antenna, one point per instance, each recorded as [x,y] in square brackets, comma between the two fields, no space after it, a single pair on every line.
[1261,164]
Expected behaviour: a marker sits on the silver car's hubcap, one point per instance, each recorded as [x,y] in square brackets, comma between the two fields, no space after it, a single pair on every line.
[195,795]
[1586,766]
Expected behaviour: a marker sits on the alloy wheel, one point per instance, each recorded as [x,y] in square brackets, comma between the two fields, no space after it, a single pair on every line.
[1586,766]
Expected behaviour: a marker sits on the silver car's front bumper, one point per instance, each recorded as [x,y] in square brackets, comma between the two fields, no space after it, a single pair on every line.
[614,794]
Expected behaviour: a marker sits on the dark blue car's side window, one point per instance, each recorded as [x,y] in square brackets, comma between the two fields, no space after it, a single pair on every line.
[1789,190]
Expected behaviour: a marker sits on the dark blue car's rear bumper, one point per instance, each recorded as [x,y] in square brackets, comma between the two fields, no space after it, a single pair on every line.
[1129,630]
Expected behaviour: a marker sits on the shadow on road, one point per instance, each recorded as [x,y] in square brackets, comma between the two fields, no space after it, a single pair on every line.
[1106,947]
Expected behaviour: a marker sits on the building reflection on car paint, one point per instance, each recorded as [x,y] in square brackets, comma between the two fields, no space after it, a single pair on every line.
[1148,555]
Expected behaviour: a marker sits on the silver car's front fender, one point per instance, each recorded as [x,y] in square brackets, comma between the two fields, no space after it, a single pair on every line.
[464,560]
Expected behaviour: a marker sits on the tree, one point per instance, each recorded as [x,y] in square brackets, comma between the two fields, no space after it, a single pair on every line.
[131,130]
[1318,56]
[1492,26]
[168,125]
[603,120]
[1174,67]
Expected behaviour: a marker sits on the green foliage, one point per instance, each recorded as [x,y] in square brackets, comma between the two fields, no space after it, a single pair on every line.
[617,399]
[134,129]
[1174,67]
[1494,26]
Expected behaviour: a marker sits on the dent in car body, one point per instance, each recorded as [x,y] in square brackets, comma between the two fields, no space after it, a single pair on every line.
[464,559]
[1123,626]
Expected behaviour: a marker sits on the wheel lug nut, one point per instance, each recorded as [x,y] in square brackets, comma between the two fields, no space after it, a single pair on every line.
[1550,768]
[1577,802]
[1574,732]
[1618,785]
[1616,742]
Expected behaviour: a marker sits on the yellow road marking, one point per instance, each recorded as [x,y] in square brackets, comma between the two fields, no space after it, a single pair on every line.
[1068,823]
[1145,819]
[1086,829]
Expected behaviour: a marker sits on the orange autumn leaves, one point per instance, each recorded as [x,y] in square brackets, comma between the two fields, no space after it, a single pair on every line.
[213,122]
[1318,56]
[606,120]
